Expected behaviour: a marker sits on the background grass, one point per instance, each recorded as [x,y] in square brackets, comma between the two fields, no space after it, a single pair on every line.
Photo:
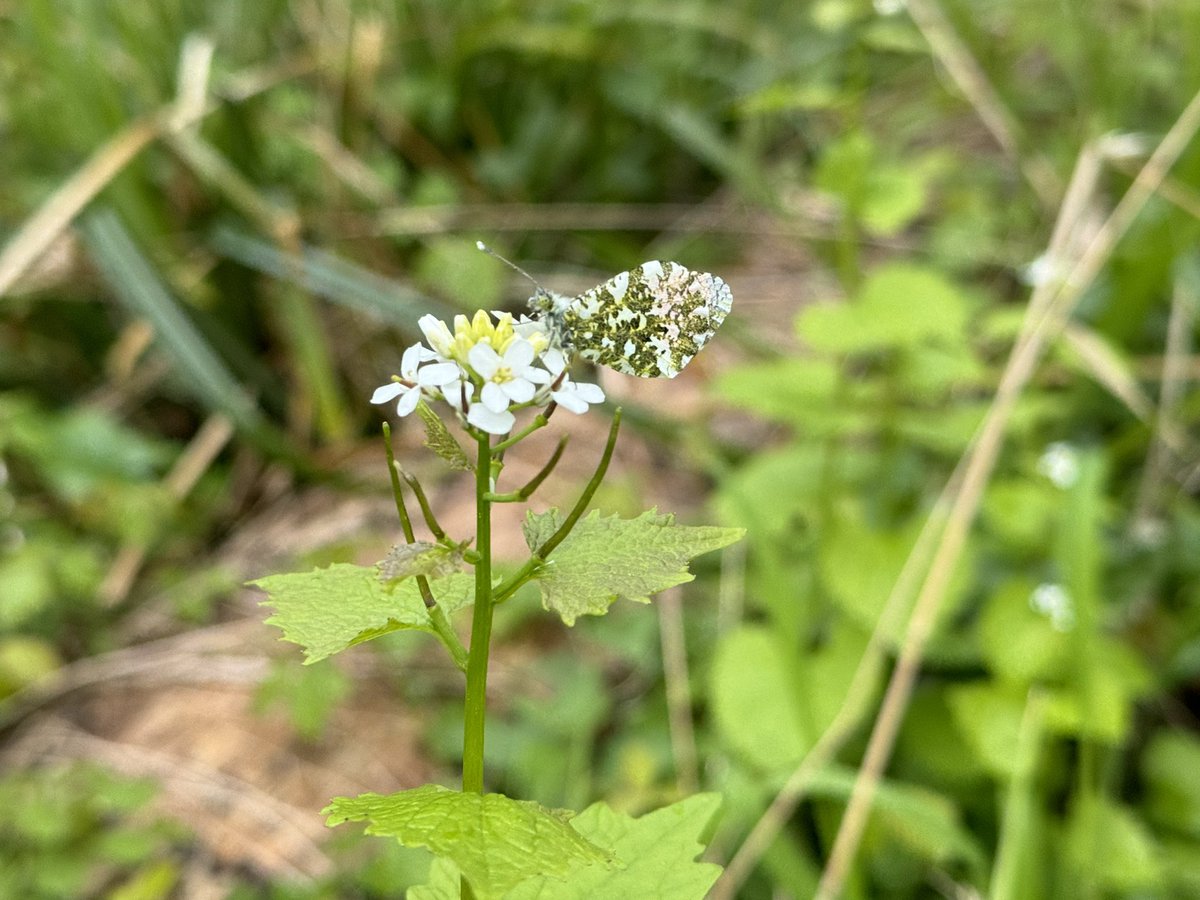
[221,221]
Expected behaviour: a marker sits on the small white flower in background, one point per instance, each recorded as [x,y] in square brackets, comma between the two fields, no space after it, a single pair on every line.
[1060,463]
[1052,601]
[1041,271]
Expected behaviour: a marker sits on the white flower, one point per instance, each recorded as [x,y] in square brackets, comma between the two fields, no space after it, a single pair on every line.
[1060,463]
[414,377]
[505,378]
[1053,602]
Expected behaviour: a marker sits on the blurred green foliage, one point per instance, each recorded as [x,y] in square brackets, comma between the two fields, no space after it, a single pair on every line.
[75,836]
[353,154]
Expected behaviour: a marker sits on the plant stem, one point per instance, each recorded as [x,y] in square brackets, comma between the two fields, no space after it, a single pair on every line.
[475,705]
[437,617]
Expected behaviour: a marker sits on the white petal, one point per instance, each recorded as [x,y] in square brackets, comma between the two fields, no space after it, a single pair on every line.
[537,376]
[389,391]
[493,423]
[568,400]
[408,402]
[518,355]
[555,361]
[494,398]
[589,393]
[452,393]
[518,390]
[438,374]
[410,360]
[484,360]
[436,333]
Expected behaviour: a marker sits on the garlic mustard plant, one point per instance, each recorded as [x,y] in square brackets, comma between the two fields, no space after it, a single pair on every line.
[496,380]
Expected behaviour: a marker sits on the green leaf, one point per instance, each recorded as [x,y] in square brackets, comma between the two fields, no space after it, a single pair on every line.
[1170,767]
[309,695]
[80,449]
[606,559]
[1100,702]
[454,268]
[24,660]
[420,558]
[439,439]
[883,195]
[28,579]
[327,275]
[988,716]
[444,883]
[918,818]
[1114,846]
[138,286]
[756,700]
[770,488]
[1019,643]
[782,389]
[860,565]
[495,841]
[327,610]
[898,306]
[658,851]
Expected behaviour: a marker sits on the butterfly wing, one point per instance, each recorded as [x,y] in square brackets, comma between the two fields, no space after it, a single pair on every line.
[649,321]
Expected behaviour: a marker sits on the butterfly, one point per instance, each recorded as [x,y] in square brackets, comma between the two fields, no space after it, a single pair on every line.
[650,321]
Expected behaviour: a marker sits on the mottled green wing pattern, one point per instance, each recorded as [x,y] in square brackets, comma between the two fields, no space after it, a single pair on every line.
[648,322]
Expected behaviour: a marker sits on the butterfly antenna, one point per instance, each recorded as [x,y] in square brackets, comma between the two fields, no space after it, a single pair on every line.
[512,265]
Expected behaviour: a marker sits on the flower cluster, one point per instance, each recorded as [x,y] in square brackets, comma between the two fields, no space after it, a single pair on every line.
[484,370]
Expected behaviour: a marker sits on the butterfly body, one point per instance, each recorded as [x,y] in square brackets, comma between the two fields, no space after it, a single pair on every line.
[649,321]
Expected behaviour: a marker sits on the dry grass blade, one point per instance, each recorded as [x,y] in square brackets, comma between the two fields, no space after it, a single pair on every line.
[213,435]
[41,229]
[679,695]
[970,78]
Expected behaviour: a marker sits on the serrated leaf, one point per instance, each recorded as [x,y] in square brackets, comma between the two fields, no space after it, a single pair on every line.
[496,842]
[439,439]
[606,559]
[658,849]
[420,558]
[327,610]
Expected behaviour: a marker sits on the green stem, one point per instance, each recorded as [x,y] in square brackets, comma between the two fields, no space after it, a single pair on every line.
[541,420]
[426,510]
[534,483]
[437,616]
[475,705]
